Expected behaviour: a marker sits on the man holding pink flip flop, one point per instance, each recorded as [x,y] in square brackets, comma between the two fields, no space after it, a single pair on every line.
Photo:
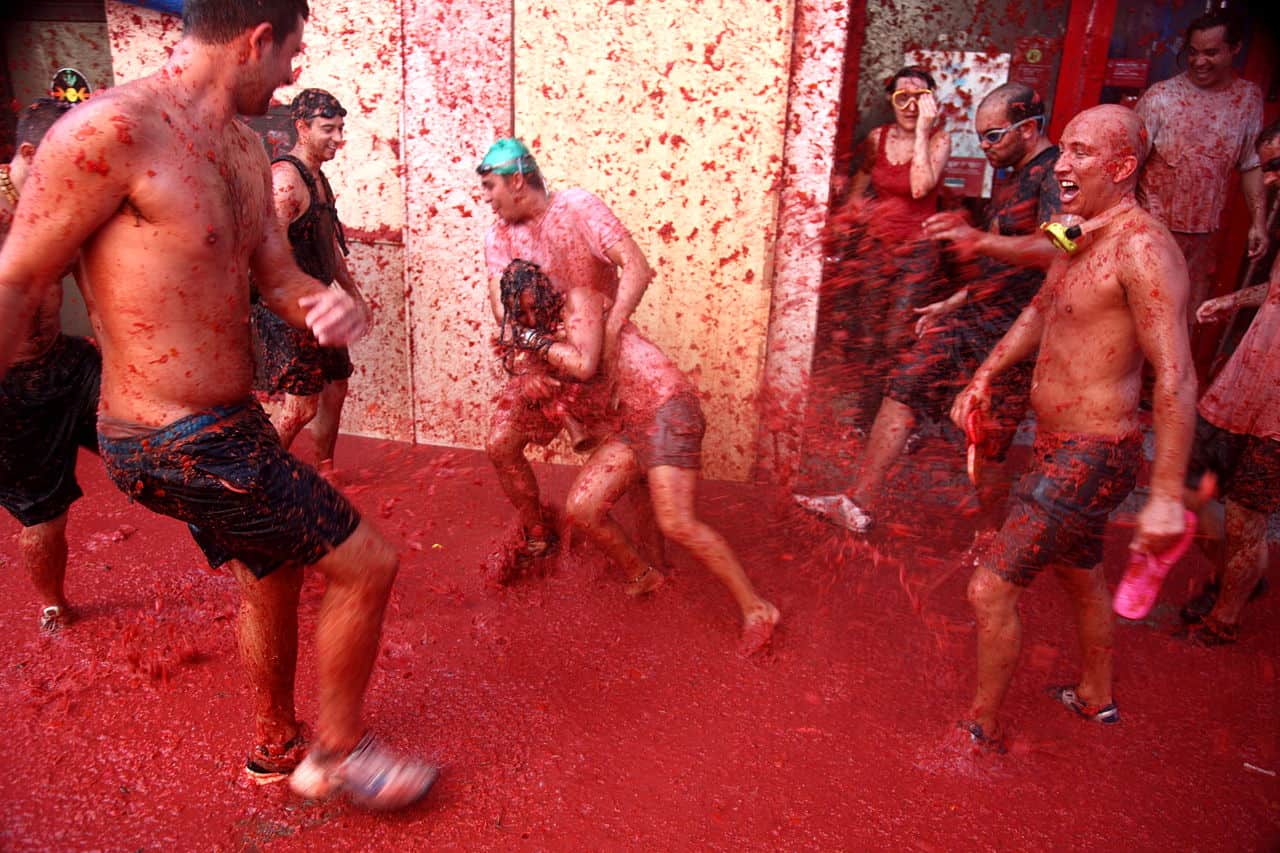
[1117,301]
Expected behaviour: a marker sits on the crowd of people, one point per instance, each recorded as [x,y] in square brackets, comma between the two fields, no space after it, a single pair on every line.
[212,277]
[1081,333]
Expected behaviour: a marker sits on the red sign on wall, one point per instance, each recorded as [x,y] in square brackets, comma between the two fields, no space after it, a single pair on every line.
[1033,61]
[964,175]
[1127,73]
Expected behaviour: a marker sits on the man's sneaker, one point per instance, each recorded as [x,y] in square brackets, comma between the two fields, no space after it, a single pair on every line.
[53,619]
[1107,714]
[371,775]
[270,763]
[837,509]
[981,740]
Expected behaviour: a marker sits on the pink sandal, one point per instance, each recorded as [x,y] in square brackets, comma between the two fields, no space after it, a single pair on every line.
[1137,592]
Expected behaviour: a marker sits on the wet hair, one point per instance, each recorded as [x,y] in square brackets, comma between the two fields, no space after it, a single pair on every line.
[909,71]
[36,118]
[1269,135]
[219,21]
[315,103]
[1021,102]
[519,277]
[1232,24]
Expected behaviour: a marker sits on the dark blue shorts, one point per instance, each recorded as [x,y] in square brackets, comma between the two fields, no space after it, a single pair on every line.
[290,361]
[929,376]
[48,410]
[1059,508]
[672,437]
[244,497]
[1247,467]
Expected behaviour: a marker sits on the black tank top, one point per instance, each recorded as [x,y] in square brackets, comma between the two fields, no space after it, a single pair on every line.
[312,235]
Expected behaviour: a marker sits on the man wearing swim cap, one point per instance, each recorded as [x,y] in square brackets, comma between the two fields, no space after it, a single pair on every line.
[577,241]
[289,361]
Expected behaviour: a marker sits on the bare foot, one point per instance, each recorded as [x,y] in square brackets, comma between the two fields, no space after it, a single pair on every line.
[757,628]
[645,582]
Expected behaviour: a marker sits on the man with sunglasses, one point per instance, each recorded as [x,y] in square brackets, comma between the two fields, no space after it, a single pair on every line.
[955,335]
[289,361]
[1202,125]
[577,241]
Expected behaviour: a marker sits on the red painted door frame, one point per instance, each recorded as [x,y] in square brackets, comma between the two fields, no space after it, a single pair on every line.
[1084,60]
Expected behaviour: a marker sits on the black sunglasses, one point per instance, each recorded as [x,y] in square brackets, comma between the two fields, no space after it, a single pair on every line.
[328,112]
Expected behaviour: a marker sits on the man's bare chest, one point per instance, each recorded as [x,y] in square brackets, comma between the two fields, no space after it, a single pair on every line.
[1085,289]
[209,185]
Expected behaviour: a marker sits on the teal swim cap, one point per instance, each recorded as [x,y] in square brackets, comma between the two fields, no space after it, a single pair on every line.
[507,157]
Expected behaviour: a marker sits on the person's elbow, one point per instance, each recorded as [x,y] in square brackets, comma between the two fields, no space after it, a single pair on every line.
[581,369]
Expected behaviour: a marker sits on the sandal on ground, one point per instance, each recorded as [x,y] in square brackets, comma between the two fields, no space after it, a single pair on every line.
[373,776]
[981,740]
[54,618]
[1209,632]
[269,763]
[1107,714]
[1202,603]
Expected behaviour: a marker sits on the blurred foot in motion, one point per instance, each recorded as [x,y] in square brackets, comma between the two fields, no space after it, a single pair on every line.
[840,510]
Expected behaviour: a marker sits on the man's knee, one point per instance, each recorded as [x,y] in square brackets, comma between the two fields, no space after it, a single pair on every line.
[582,513]
[381,562]
[677,526]
[991,595]
[504,442]
[300,410]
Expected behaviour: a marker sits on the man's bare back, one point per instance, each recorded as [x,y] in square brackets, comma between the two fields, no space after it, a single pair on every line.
[1088,375]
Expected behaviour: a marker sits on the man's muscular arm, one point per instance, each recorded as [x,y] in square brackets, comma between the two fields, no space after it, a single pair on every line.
[1154,277]
[635,277]
[1023,250]
[302,301]
[289,193]
[83,171]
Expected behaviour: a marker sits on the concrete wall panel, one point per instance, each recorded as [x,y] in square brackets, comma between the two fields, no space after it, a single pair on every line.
[457,61]
[36,49]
